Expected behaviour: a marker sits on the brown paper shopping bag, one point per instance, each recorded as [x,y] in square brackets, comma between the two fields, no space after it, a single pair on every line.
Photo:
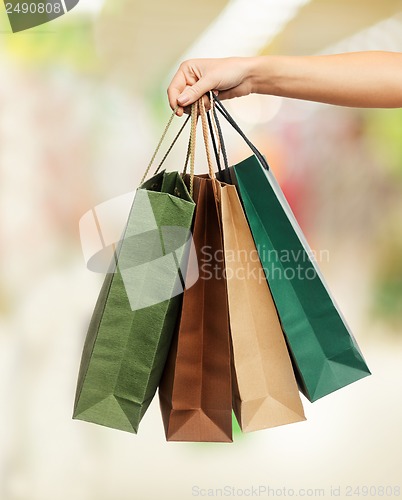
[195,391]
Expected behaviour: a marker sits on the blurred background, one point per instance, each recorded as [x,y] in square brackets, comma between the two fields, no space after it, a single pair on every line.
[82,105]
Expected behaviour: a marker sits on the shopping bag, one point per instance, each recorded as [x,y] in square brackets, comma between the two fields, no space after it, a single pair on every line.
[325,354]
[265,392]
[133,322]
[195,392]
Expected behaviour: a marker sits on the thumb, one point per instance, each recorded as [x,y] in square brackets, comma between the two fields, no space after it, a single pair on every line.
[193,93]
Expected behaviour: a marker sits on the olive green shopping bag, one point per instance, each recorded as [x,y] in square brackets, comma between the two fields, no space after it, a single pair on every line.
[326,356]
[132,325]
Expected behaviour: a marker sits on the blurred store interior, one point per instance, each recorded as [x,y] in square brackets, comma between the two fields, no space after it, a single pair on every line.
[82,105]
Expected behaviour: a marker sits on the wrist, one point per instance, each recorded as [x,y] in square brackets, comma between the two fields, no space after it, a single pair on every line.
[265,74]
[253,74]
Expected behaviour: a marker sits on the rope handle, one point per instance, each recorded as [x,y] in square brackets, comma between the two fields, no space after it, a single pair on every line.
[214,131]
[198,108]
[191,149]
[215,140]
[205,134]
[225,174]
[224,112]
[172,144]
[159,145]
[219,133]
[191,146]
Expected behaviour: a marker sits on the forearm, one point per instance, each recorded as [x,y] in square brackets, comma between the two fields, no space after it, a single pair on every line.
[360,79]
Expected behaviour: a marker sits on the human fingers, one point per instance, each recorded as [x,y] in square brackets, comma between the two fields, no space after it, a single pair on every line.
[176,87]
[192,93]
[206,100]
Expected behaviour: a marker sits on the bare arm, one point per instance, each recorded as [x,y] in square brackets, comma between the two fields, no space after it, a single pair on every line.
[358,79]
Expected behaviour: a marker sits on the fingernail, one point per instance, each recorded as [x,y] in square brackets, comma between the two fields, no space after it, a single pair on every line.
[183,98]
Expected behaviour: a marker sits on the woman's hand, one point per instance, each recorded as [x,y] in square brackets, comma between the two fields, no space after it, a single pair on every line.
[231,77]
[357,79]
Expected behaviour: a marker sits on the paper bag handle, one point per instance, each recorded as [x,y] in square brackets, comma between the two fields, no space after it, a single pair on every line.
[160,144]
[224,112]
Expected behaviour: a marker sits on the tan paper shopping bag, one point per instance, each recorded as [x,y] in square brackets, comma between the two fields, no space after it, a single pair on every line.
[265,392]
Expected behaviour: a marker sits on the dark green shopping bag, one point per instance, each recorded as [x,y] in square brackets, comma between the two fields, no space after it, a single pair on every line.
[133,322]
[325,354]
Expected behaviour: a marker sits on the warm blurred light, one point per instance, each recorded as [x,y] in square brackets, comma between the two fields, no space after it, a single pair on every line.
[385,35]
[243,27]
[73,135]
[256,109]
[91,6]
